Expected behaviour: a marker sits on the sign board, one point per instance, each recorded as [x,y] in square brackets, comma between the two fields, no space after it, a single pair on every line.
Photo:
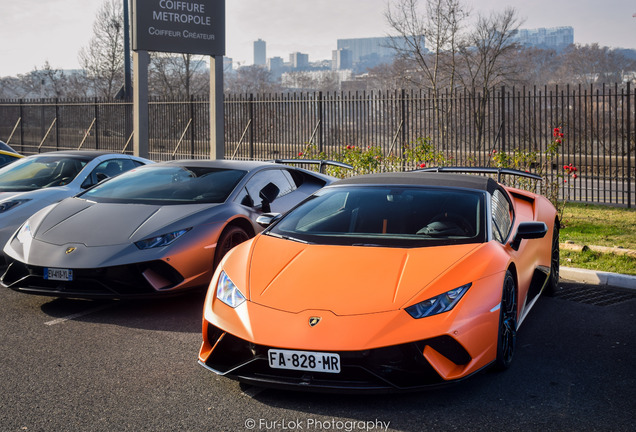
[179,26]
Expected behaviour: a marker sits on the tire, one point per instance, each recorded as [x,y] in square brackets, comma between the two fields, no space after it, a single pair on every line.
[553,281]
[230,237]
[507,331]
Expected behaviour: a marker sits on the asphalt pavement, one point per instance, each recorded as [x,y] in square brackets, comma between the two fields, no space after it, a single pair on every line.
[70,365]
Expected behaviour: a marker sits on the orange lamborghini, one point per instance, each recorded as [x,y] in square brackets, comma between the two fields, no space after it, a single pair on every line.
[383,282]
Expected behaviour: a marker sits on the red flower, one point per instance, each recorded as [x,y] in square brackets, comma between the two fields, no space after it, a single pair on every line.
[300,153]
[561,135]
[565,167]
[558,141]
[423,165]
[574,176]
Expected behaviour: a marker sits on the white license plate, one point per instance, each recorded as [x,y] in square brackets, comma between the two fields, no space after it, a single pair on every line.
[304,360]
[58,274]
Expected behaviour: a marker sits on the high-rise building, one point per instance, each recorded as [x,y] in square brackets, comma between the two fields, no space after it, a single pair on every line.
[228,65]
[299,60]
[341,59]
[276,66]
[260,52]
[555,38]
[365,47]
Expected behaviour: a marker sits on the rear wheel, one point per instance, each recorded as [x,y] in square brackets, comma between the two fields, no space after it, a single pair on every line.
[553,282]
[507,334]
[230,237]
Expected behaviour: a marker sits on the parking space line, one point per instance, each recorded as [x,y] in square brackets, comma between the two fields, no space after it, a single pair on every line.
[77,315]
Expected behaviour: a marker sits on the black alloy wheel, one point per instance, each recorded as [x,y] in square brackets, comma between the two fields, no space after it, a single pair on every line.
[507,334]
[230,237]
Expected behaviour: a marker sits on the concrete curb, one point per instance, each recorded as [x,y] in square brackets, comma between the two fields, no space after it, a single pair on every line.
[598,278]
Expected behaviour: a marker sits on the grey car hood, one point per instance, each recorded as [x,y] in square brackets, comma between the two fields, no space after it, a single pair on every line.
[107,224]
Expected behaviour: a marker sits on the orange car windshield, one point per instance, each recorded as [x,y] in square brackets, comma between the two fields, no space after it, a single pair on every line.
[400,216]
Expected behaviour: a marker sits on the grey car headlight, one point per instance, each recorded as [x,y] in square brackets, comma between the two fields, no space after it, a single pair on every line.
[160,240]
[438,304]
[24,234]
[227,292]
[9,204]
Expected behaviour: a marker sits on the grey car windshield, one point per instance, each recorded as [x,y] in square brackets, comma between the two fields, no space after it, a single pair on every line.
[400,216]
[40,172]
[166,185]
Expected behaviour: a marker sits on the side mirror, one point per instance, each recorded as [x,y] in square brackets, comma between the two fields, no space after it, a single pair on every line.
[267,195]
[528,230]
[267,219]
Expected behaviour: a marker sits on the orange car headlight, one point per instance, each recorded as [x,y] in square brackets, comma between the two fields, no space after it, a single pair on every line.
[227,292]
[438,304]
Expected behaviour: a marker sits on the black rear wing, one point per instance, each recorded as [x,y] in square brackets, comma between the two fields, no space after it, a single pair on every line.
[320,162]
[483,170]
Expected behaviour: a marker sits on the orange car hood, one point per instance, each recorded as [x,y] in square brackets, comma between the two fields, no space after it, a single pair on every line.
[346,280]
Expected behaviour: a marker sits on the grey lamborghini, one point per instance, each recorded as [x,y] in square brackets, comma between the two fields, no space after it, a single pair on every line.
[159,229]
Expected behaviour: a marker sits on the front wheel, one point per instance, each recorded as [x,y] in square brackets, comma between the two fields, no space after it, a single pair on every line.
[230,237]
[507,333]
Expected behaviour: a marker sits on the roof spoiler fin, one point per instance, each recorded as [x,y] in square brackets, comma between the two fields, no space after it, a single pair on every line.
[320,162]
[483,170]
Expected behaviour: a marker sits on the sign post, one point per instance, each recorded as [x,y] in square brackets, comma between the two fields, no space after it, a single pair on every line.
[217,115]
[141,147]
[185,27]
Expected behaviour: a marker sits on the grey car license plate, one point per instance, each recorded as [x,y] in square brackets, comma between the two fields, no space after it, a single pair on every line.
[58,274]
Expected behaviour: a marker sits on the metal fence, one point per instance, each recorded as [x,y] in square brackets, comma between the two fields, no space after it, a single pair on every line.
[466,126]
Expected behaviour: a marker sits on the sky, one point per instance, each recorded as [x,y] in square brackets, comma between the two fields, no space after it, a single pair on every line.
[35,31]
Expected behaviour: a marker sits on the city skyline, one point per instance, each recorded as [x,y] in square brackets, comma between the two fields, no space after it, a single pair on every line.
[57,29]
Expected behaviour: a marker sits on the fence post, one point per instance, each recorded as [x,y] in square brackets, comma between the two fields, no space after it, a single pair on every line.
[502,113]
[22,126]
[57,125]
[192,126]
[96,125]
[405,123]
[629,144]
[320,122]
[250,106]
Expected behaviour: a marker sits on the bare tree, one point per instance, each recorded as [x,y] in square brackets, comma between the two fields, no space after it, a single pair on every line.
[103,58]
[251,79]
[326,81]
[484,52]
[11,88]
[439,25]
[178,75]
[402,73]
[55,79]
[589,64]
[536,66]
